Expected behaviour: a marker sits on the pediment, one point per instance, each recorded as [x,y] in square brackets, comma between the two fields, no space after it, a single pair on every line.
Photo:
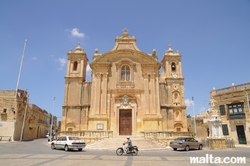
[125,46]
[125,42]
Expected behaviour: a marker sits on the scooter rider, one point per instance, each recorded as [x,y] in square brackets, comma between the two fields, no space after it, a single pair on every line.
[129,142]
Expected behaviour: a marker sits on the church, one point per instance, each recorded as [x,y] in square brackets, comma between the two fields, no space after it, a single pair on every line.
[128,93]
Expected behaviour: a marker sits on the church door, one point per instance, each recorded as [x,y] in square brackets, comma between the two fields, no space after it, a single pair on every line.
[125,122]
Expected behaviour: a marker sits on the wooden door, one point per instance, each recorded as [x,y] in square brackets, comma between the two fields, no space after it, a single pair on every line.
[241,134]
[125,122]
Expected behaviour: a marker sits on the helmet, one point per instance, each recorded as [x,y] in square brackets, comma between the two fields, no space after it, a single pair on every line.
[128,137]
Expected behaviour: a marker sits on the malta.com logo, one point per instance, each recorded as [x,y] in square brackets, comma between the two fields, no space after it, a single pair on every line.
[209,159]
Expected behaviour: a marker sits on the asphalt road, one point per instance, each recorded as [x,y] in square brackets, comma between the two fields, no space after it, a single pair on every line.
[38,152]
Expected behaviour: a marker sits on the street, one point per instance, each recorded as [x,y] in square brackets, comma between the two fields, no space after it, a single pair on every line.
[38,152]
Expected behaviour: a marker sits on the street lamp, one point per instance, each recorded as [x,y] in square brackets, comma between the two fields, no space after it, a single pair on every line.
[51,132]
[194,117]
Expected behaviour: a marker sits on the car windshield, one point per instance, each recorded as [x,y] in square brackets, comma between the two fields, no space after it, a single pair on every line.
[74,138]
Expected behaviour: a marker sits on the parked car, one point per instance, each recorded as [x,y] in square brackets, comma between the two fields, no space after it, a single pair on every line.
[186,143]
[68,143]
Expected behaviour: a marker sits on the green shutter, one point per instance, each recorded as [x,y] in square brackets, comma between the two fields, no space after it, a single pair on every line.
[222,110]
[225,129]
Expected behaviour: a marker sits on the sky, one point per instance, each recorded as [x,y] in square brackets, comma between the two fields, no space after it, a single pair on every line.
[212,36]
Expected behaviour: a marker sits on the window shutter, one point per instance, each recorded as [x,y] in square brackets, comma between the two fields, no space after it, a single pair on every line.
[225,129]
[222,110]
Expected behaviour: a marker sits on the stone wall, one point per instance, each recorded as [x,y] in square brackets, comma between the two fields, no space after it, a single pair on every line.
[7,130]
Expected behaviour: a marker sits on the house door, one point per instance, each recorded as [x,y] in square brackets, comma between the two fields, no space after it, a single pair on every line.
[125,122]
[241,134]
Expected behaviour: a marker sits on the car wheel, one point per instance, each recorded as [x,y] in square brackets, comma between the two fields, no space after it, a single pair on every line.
[187,148]
[80,149]
[200,147]
[53,146]
[175,148]
[66,148]
[119,151]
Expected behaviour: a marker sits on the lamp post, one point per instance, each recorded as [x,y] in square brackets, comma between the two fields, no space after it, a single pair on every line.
[51,132]
[194,117]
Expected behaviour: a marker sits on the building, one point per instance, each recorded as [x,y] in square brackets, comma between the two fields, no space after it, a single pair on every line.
[19,119]
[202,128]
[233,105]
[127,95]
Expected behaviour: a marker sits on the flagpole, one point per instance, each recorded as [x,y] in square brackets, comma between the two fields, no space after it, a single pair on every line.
[24,118]
[20,69]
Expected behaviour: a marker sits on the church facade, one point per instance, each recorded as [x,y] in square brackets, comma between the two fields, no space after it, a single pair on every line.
[128,94]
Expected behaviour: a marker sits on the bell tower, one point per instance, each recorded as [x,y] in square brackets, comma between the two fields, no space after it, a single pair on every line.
[77,64]
[173,82]
[74,89]
[171,63]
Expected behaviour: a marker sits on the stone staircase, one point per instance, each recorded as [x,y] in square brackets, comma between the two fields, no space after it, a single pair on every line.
[115,142]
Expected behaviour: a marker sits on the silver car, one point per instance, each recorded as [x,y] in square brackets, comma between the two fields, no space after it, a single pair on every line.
[186,143]
[68,143]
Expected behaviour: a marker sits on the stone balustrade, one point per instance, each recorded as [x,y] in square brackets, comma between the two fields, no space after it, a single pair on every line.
[89,136]
[231,88]
[164,137]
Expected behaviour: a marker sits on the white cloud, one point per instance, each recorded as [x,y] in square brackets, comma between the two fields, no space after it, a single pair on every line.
[88,69]
[189,102]
[88,72]
[75,33]
[202,109]
[34,58]
[62,62]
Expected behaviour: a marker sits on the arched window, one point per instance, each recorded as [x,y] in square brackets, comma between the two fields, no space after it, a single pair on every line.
[75,65]
[173,67]
[125,73]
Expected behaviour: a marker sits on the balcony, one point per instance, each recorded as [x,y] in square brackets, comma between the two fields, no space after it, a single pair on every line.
[237,115]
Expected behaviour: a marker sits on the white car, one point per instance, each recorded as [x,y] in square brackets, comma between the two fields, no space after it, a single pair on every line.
[68,143]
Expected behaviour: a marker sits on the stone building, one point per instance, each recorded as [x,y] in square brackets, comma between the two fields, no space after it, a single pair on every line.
[127,95]
[13,104]
[202,128]
[233,105]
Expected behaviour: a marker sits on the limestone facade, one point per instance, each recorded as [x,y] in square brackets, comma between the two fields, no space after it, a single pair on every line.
[233,106]
[127,95]
[12,111]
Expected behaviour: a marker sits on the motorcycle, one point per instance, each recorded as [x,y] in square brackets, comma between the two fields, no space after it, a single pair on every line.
[132,150]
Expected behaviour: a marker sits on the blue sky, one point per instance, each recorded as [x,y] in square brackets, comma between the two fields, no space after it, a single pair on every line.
[212,36]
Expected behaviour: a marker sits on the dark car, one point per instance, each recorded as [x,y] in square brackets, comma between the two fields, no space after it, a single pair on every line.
[186,143]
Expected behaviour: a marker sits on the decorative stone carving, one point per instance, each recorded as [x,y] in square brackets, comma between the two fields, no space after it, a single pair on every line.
[214,122]
[125,99]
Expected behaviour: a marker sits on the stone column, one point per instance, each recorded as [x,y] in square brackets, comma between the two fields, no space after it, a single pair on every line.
[97,94]
[66,92]
[104,94]
[157,95]
[152,94]
[146,93]
[68,68]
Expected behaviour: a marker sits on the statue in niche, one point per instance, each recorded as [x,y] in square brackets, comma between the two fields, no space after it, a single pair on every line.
[125,99]
[176,99]
[177,115]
